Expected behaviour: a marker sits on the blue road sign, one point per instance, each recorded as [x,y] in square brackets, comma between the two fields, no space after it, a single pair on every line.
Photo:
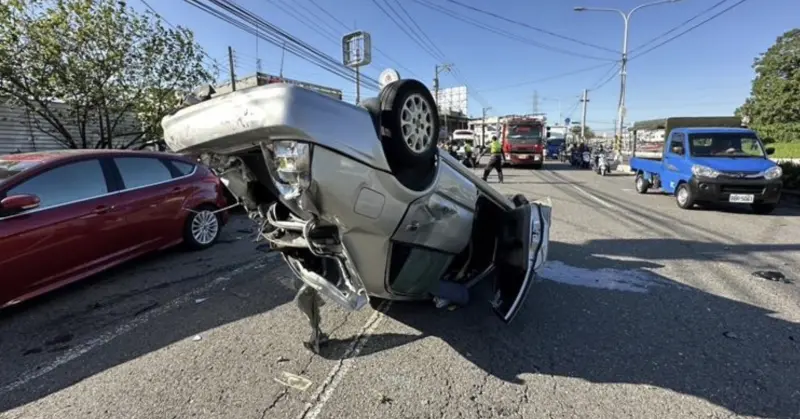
[566,121]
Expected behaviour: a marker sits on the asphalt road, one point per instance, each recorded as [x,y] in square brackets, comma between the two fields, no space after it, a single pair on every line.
[644,311]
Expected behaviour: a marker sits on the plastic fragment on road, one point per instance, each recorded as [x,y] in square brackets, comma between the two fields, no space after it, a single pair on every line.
[773,276]
[197,338]
[294,381]
[200,300]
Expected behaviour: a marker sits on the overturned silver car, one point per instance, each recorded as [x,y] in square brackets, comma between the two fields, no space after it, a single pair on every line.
[367,206]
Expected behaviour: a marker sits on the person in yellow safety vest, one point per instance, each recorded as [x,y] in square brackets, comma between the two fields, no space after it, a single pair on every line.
[468,153]
[496,160]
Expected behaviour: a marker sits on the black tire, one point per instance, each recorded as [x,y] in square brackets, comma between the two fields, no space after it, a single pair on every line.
[396,99]
[191,237]
[640,184]
[684,201]
[537,167]
[763,209]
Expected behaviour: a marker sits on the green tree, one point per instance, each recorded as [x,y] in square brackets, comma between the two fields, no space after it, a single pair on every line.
[575,130]
[773,108]
[93,71]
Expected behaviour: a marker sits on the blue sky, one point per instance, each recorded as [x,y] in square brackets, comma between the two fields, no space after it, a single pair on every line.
[705,72]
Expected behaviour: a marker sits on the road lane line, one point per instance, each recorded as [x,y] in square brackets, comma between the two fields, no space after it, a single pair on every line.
[339,371]
[592,196]
[77,351]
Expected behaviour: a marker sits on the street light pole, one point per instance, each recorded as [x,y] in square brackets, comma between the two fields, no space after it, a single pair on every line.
[439,69]
[623,68]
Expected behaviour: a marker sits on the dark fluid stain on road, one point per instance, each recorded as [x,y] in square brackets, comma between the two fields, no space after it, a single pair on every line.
[60,339]
[59,348]
[32,351]
[773,276]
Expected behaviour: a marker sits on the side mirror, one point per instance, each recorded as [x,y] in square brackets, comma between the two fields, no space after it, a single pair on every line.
[677,150]
[770,151]
[19,203]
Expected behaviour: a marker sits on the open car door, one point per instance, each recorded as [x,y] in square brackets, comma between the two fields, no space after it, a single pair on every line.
[521,251]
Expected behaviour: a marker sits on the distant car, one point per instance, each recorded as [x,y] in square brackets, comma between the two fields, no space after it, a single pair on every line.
[65,215]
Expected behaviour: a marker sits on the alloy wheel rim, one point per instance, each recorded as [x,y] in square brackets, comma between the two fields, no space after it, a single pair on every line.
[205,227]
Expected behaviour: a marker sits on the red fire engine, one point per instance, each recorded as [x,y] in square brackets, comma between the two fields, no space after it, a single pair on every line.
[523,140]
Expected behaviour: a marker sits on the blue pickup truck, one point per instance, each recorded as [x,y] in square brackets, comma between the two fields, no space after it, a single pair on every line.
[709,159]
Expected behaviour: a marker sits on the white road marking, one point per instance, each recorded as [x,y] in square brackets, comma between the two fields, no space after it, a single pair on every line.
[594,198]
[339,371]
[77,351]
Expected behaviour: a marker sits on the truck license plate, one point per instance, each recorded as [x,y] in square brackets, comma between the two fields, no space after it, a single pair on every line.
[523,156]
[741,198]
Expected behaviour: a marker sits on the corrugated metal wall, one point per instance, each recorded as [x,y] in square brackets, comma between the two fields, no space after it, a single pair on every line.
[19,132]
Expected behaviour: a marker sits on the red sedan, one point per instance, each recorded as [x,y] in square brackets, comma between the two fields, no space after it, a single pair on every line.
[65,215]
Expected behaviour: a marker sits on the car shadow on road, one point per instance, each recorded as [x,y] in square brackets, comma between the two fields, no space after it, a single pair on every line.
[735,355]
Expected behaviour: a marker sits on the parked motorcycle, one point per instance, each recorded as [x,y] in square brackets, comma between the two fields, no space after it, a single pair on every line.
[366,199]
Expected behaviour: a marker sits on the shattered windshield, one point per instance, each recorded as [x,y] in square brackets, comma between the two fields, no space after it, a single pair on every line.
[722,144]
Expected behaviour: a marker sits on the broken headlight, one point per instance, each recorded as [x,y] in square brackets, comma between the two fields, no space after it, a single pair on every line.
[289,165]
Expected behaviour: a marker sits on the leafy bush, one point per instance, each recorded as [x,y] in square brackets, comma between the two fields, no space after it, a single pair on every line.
[786,150]
[791,175]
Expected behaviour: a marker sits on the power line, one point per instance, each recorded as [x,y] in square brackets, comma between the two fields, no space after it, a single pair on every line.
[420,40]
[603,80]
[502,32]
[253,24]
[214,63]
[403,28]
[691,28]
[553,77]
[421,31]
[680,25]
[342,24]
[523,24]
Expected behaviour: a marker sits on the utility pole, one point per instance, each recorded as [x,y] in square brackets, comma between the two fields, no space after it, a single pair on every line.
[233,69]
[585,101]
[283,54]
[623,69]
[483,125]
[438,69]
[358,76]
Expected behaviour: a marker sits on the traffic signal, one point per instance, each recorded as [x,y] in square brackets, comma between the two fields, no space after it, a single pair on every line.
[547,134]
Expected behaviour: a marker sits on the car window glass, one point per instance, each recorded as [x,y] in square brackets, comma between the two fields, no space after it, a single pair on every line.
[142,171]
[183,167]
[64,184]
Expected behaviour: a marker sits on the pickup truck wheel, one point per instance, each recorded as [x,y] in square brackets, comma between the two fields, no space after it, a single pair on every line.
[684,196]
[641,184]
[763,209]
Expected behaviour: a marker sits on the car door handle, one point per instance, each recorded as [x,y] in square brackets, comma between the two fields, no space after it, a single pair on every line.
[102,209]
[177,189]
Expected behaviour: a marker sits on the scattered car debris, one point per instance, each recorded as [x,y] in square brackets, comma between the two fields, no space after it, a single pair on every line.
[200,300]
[731,335]
[773,276]
[384,399]
[282,359]
[197,338]
[294,381]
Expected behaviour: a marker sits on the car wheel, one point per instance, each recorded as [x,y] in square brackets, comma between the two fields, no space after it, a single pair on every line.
[410,120]
[202,228]
[641,183]
[684,196]
[763,209]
